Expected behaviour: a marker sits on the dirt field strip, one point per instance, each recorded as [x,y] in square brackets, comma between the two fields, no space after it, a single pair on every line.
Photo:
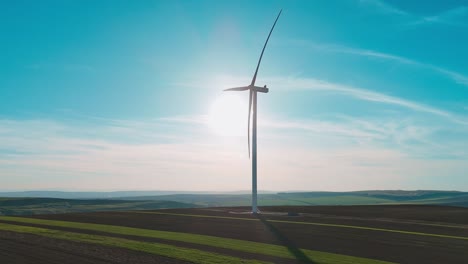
[192,255]
[373,229]
[194,215]
[228,243]
[313,223]
[417,223]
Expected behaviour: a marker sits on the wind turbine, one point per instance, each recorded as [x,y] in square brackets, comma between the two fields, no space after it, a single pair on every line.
[253,104]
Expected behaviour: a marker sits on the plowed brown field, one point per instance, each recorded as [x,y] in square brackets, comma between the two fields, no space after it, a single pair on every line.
[401,234]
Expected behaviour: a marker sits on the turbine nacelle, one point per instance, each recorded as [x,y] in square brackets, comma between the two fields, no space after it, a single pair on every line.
[263,89]
[252,88]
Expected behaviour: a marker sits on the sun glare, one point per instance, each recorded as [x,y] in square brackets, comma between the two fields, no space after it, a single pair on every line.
[228,115]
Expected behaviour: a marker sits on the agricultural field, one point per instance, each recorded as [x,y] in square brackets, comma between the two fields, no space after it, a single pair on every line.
[30,206]
[453,198]
[287,234]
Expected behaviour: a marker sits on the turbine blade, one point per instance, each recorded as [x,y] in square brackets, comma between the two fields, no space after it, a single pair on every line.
[237,88]
[264,46]
[248,122]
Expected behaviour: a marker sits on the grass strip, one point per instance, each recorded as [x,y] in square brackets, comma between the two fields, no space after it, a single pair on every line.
[316,224]
[192,255]
[228,243]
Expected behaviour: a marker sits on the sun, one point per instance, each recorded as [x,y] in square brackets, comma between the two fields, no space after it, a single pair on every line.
[228,115]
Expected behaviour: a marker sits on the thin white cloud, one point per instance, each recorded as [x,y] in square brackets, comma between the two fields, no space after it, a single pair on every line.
[363,94]
[200,119]
[317,126]
[456,16]
[45,154]
[366,53]
[295,83]
[383,7]
[455,76]
[452,17]
[345,131]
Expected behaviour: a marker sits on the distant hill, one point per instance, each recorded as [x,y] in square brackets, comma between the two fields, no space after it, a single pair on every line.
[453,198]
[150,200]
[30,206]
[105,195]
[85,195]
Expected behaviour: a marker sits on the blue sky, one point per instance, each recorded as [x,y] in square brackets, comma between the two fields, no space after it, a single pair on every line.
[118,95]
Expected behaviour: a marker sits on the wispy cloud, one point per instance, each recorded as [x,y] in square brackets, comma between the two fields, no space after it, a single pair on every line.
[199,119]
[319,126]
[383,7]
[63,154]
[453,17]
[453,75]
[407,134]
[363,94]
[294,82]
[457,77]
[181,153]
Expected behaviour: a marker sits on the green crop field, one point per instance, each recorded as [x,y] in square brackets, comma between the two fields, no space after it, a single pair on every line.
[192,255]
[227,243]
[319,198]
[31,206]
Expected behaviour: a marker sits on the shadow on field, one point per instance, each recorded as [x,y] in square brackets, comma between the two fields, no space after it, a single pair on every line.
[295,251]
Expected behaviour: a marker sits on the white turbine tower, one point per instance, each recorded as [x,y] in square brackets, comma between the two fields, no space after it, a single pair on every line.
[253,103]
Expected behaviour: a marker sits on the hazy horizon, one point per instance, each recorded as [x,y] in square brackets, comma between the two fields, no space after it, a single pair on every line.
[211,191]
[364,95]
